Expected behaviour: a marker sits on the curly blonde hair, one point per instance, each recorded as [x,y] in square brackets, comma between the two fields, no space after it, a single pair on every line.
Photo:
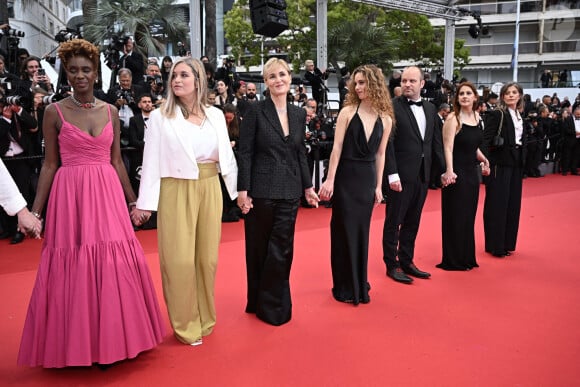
[78,47]
[377,90]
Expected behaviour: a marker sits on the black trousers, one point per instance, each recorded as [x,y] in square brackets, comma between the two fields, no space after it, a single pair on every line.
[269,229]
[501,210]
[402,223]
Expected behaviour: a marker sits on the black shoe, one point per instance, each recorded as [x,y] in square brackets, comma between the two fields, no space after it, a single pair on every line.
[398,275]
[564,173]
[5,235]
[17,238]
[433,186]
[498,254]
[574,173]
[415,272]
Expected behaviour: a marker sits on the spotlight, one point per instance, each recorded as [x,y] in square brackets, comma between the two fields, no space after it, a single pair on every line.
[473,31]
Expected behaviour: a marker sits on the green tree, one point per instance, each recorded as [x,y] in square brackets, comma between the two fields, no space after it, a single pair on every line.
[358,42]
[136,18]
[298,40]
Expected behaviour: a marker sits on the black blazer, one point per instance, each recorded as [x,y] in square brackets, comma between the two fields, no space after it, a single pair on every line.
[407,153]
[137,131]
[26,122]
[506,155]
[271,166]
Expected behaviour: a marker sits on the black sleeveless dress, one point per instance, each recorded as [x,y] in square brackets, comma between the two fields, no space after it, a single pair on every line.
[352,206]
[459,202]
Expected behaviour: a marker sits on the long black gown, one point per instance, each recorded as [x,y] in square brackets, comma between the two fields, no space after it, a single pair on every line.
[459,202]
[352,206]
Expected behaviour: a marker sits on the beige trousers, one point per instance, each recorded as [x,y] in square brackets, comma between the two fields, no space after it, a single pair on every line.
[189,231]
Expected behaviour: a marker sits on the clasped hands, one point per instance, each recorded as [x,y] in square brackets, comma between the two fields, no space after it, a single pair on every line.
[448,178]
[139,217]
[29,224]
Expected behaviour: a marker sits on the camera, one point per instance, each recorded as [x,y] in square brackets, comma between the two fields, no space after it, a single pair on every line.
[5,84]
[126,95]
[48,99]
[41,72]
[11,100]
[66,35]
[156,79]
[331,70]
[13,33]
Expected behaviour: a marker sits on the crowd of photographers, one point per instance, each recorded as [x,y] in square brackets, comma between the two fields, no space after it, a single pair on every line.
[139,87]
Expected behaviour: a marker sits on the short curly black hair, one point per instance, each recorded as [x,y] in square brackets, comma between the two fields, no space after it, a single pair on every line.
[78,47]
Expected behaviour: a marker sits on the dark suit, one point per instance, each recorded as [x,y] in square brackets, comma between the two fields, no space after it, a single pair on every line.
[273,169]
[20,170]
[316,80]
[409,156]
[503,193]
[570,155]
[134,62]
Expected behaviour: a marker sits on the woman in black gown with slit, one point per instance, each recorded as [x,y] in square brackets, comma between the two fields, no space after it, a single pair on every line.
[355,178]
[462,137]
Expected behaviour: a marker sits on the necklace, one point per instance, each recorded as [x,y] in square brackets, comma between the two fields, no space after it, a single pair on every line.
[84,105]
[281,110]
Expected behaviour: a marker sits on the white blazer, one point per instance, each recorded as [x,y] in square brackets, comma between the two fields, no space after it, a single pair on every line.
[10,198]
[167,154]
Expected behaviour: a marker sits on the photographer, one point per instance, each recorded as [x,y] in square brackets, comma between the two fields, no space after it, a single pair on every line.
[132,60]
[154,84]
[8,81]
[535,141]
[32,75]
[300,96]
[316,78]
[227,72]
[124,96]
[16,129]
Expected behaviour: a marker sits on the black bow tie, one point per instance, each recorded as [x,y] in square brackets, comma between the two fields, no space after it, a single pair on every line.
[417,103]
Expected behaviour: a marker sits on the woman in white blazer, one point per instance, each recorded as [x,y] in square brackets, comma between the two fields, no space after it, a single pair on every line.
[12,201]
[186,146]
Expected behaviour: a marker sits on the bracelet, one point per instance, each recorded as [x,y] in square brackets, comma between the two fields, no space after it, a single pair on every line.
[36,214]
[132,204]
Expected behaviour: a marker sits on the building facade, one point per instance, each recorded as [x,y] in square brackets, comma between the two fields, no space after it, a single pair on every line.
[549,39]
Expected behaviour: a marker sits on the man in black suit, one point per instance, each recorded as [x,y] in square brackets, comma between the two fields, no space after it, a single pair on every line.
[408,164]
[137,125]
[570,129]
[316,79]
[16,128]
[133,61]
[435,178]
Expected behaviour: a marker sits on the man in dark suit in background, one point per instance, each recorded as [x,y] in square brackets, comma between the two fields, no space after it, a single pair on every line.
[16,128]
[408,164]
[435,178]
[133,61]
[316,78]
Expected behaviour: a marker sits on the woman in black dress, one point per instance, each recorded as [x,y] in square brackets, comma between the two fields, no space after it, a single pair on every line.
[503,187]
[355,179]
[462,138]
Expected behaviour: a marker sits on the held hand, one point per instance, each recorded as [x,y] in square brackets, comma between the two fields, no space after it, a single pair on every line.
[448,178]
[29,224]
[244,202]
[378,196]
[311,197]
[326,190]
[139,217]
[396,186]
[485,170]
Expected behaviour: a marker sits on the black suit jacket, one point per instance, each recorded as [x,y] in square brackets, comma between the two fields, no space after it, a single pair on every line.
[407,153]
[26,122]
[135,63]
[137,131]
[506,155]
[271,166]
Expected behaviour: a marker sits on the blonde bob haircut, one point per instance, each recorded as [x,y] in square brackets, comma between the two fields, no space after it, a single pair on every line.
[377,90]
[271,64]
[200,92]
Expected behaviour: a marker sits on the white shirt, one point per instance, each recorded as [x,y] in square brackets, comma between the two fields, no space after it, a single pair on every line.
[577,127]
[10,198]
[518,125]
[204,142]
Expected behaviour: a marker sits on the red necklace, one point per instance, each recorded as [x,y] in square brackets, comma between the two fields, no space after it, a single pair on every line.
[84,105]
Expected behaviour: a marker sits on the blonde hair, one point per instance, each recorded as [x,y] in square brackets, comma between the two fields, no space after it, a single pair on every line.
[377,90]
[200,93]
[271,64]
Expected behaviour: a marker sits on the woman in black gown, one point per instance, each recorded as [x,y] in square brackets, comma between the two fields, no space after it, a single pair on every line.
[462,137]
[355,178]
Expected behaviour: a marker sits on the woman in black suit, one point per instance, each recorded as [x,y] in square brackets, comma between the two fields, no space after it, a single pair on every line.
[273,175]
[503,193]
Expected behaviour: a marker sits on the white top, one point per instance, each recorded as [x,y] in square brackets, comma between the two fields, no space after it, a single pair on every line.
[204,141]
[10,198]
[518,125]
[169,152]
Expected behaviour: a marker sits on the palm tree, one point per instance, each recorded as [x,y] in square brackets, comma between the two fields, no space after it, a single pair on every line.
[137,18]
[356,43]
[210,30]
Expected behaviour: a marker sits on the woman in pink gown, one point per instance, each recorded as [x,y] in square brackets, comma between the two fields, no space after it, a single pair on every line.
[93,300]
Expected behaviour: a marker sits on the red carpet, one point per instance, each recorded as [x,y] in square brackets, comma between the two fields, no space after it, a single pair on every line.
[512,322]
